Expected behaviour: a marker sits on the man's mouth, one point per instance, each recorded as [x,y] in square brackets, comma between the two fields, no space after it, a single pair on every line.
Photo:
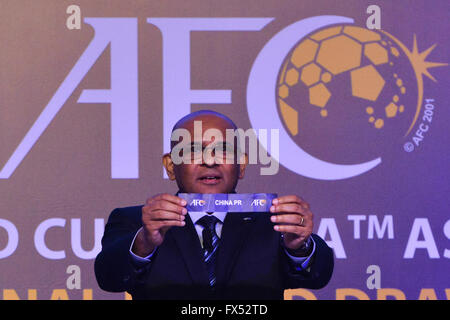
[210,179]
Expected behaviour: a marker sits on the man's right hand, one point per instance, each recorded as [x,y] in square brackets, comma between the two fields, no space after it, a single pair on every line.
[159,214]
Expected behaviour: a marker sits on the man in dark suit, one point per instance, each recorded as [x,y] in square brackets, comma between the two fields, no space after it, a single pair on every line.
[162,251]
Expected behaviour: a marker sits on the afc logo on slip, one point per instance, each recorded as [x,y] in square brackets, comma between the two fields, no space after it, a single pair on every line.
[197,202]
[258,202]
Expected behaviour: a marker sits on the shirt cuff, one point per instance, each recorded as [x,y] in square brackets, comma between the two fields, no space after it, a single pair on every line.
[138,261]
[302,263]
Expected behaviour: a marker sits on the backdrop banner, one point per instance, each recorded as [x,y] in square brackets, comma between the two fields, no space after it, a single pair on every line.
[343,103]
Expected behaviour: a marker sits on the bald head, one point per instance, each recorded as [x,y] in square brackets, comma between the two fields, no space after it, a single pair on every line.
[204,115]
[201,160]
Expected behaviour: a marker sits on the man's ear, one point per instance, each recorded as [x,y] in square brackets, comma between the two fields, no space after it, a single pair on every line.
[243,162]
[169,165]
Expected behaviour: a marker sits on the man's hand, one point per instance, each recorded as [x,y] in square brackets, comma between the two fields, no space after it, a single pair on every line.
[159,214]
[293,219]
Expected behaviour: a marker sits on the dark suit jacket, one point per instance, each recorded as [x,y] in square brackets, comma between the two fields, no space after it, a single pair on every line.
[251,262]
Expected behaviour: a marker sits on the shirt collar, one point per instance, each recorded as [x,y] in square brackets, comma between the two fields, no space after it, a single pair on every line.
[196,215]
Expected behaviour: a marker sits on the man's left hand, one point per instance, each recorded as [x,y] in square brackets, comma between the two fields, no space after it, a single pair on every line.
[293,219]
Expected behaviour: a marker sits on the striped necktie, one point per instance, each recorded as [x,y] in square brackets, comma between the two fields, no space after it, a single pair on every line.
[210,244]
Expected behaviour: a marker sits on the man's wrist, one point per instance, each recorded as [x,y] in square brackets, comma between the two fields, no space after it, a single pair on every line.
[304,251]
[141,247]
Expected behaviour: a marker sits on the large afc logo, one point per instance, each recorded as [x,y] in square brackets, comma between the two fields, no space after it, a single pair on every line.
[121,35]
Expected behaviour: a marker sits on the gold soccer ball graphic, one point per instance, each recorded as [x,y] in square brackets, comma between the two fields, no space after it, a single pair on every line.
[353,56]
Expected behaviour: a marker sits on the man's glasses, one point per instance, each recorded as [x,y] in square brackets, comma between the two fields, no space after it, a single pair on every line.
[221,152]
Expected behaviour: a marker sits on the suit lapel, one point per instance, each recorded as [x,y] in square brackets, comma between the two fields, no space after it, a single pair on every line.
[189,244]
[235,231]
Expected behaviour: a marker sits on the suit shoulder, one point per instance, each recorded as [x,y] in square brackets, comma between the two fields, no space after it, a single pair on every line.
[132,212]
[137,208]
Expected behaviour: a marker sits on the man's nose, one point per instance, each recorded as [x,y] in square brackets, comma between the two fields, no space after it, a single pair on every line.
[209,159]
